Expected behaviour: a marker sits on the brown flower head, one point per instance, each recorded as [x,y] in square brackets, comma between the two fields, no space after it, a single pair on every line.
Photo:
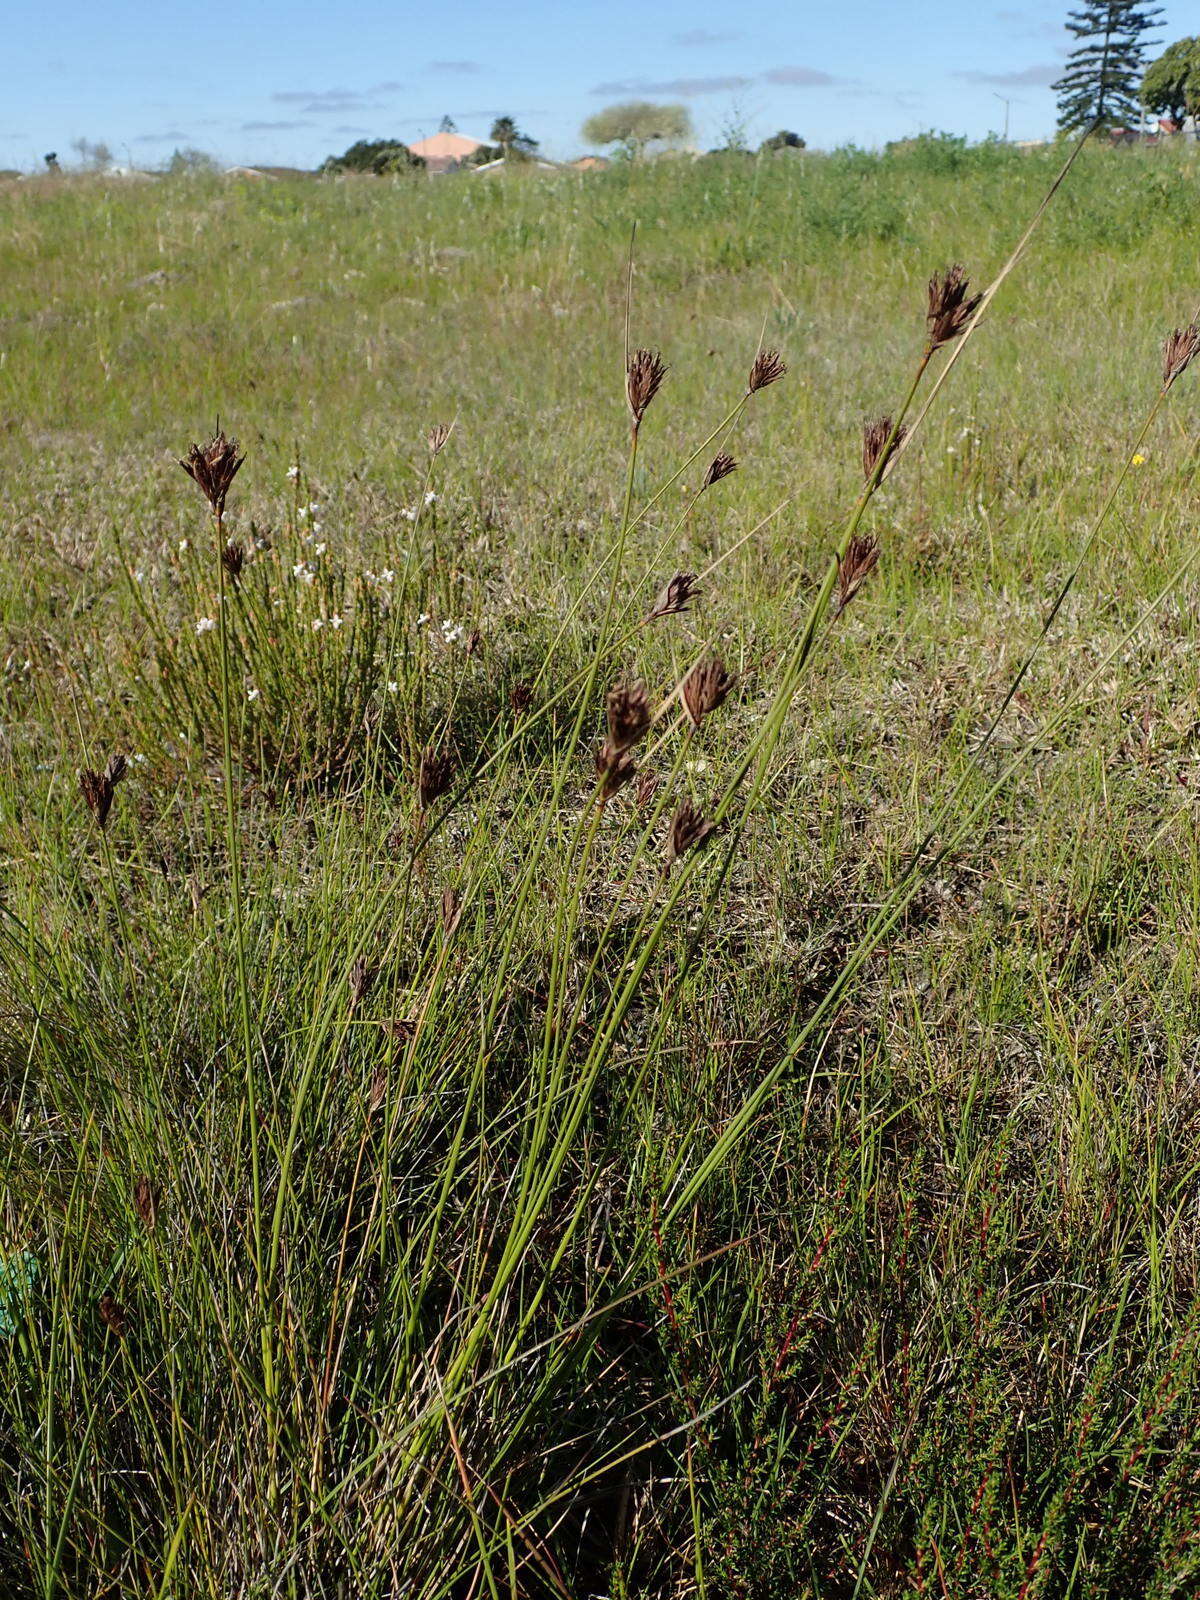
[690,828]
[451,911]
[950,306]
[98,787]
[647,788]
[1179,348]
[628,707]
[520,697]
[233,559]
[769,366]
[145,1201]
[855,567]
[674,597]
[213,466]
[878,444]
[434,775]
[362,977]
[705,688]
[614,769]
[437,436]
[719,467]
[114,1316]
[643,379]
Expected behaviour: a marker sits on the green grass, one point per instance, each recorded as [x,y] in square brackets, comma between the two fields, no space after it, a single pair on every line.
[533,1220]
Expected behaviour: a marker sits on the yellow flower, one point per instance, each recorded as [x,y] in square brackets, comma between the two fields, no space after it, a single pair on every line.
[1139,460]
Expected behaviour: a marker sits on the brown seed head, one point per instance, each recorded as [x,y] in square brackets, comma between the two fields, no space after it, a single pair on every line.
[628,707]
[213,467]
[520,697]
[643,379]
[434,775]
[233,559]
[145,1200]
[114,1317]
[719,467]
[690,828]
[705,688]
[950,306]
[451,911]
[1179,348]
[362,976]
[769,366]
[647,788]
[614,769]
[855,567]
[674,596]
[877,439]
[97,787]
[437,436]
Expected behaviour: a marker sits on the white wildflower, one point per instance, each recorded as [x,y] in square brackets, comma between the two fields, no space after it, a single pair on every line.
[318,622]
[393,687]
[335,622]
[252,694]
[320,549]
[422,619]
[293,473]
[184,544]
[387,576]
[205,625]
[430,497]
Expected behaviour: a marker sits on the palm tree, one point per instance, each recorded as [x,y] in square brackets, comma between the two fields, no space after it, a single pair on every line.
[505,133]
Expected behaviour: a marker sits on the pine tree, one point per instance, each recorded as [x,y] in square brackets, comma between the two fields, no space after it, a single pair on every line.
[1104,72]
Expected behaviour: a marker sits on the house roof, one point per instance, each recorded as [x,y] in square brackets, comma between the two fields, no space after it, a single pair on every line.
[445,147]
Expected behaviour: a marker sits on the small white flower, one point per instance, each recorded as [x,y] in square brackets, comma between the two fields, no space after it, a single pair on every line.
[393,687]
[313,507]
[140,759]
[139,576]
[430,497]
[302,512]
[335,622]
[317,527]
[318,622]
[320,549]
[422,619]
[205,625]
[293,473]
[387,576]
[452,632]
[184,544]
[251,694]
[408,515]
[304,572]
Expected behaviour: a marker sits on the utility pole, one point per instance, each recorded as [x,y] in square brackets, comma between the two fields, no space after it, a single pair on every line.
[1007,103]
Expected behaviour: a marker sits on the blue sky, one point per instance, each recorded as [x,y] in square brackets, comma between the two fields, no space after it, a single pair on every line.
[263,81]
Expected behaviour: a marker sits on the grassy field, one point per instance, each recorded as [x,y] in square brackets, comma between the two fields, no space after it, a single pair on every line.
[432,1169]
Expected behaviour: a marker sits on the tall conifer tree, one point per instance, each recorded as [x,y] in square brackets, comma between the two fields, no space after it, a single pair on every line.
[1105,69]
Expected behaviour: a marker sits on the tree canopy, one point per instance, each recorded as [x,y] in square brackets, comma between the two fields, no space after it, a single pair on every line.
[1171,86]
[510,142]
[785,139]
[378,156]
[1104,71]
[634,124]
